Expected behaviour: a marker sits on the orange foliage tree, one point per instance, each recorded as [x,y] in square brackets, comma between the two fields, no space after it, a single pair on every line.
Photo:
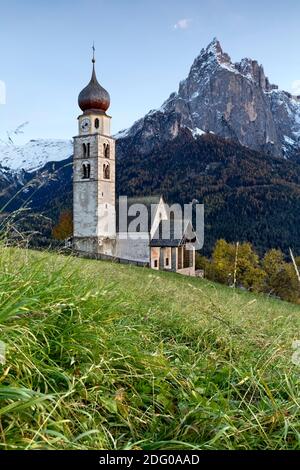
[64,227]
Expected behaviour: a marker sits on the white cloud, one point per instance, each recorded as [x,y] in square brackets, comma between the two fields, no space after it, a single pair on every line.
[184,23]
[296,87]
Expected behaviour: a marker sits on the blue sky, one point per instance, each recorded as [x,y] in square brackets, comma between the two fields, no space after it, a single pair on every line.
[143,49]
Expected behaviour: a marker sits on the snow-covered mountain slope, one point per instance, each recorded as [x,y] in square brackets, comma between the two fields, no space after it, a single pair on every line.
[34,154]
[233,100]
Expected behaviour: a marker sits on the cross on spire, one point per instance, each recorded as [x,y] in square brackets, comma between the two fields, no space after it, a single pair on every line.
[93,59]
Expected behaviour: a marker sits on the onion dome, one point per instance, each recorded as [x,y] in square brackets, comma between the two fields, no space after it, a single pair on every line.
[94,96]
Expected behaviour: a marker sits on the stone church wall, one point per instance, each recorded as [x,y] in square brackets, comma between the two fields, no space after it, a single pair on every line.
[135,248]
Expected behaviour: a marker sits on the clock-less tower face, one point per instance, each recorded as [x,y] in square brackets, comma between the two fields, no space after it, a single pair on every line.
[85,125]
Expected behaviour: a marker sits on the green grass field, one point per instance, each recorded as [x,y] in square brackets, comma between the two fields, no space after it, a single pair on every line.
[107,356]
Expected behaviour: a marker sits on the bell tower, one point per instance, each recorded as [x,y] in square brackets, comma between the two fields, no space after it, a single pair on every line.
[94,173]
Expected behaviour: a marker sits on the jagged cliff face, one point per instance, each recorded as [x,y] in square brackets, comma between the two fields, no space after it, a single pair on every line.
[234,101]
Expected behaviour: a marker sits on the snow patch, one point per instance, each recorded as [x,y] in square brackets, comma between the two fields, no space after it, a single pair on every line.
[34,154]
[195,95]
[289,140]
[197,132]
[121,134]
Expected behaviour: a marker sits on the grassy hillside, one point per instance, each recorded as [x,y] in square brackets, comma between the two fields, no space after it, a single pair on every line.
[108,356]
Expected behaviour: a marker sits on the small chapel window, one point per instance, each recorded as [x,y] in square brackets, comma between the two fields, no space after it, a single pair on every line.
[106,150]
[155,263]
[106,171]
[167,261]
[96,123]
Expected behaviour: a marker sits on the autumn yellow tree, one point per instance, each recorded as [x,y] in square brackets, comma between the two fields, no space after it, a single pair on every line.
[223,262]
[240,263]
[281,279]
[249,272]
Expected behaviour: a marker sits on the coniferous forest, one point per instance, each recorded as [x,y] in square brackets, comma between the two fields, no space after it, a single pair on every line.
[248,196]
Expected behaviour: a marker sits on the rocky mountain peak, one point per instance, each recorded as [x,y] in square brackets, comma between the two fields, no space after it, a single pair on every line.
[213,55]
[235,101]
[209,59]
[252,70]
[248,67]
[214,49]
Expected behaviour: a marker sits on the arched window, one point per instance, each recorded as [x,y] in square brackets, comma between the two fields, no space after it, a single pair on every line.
[96,123]
[106,150]
[86,171]
[84,149]
[88,150]
[106,171]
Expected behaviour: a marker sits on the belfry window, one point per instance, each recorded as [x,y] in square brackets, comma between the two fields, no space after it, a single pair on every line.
[106,151]
[106,171]
[96,123]
[88,150]
[86,171]
[84,149]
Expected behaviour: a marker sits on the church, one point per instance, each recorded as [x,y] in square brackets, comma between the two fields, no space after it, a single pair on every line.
[142,231]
